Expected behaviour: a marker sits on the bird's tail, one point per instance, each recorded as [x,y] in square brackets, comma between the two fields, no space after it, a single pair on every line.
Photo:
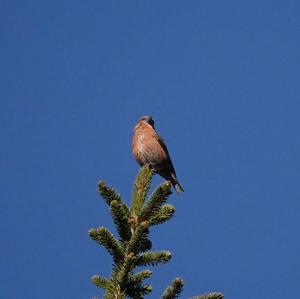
[176,184]
[178,187]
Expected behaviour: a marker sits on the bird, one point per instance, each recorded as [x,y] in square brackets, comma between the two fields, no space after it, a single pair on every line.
[149,148]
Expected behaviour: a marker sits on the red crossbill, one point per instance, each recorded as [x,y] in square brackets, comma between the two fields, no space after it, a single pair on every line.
[148,148]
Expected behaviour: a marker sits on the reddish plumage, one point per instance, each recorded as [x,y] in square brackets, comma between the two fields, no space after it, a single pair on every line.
[149,148]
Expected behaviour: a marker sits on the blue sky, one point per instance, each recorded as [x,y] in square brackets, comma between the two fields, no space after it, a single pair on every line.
[221,80]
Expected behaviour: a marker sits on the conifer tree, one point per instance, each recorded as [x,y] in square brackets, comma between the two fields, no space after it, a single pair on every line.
[132,249]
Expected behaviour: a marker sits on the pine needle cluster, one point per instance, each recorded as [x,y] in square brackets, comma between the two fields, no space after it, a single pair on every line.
[132,249]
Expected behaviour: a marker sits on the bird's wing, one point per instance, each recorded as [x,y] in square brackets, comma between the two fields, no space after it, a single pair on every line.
[162,144]
[167,162]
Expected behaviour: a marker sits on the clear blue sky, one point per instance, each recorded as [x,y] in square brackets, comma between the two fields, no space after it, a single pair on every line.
[220,78]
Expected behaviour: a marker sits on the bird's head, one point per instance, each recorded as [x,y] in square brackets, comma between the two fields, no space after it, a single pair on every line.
[148,120]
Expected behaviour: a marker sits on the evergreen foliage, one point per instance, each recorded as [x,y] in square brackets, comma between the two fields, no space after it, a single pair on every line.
[132,248]
[173,290]
[209,296]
